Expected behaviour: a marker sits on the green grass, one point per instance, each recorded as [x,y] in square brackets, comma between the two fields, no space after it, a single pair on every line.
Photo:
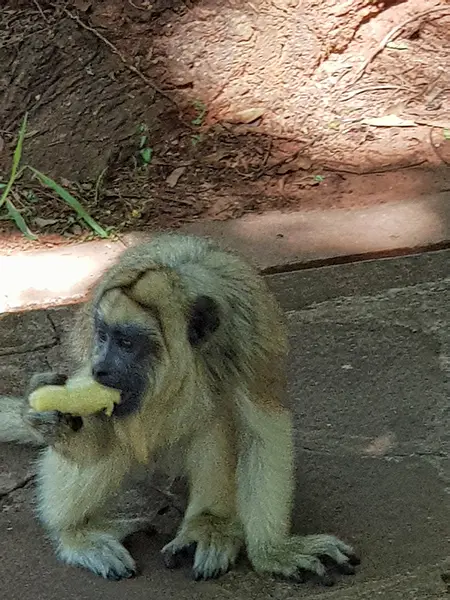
[60,192]
[145,151]
[201,112]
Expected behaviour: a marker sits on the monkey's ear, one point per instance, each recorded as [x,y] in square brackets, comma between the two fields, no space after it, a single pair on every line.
[203,319]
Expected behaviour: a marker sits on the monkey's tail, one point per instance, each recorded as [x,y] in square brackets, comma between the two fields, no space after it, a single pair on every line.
[12,425]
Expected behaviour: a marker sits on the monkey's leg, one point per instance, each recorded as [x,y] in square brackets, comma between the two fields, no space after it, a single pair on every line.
[265,493]
[72,502]
[210,522]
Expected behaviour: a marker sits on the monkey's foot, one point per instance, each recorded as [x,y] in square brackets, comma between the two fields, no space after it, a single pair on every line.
[298,554]
[217,543]
[99,552]
[52,425]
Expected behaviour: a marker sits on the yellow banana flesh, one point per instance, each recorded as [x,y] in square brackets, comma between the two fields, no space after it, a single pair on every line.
[79,397]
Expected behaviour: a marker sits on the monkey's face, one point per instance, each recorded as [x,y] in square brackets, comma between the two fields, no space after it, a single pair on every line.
[127,349]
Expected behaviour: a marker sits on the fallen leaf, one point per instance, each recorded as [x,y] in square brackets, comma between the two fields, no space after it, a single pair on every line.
[173,178]
[396,108]
[437,124]
[397,46]
[301,163]
[389,121]
[286,168]
[334,125]
[44,222]
[222,209]
[247,115]
[2,144]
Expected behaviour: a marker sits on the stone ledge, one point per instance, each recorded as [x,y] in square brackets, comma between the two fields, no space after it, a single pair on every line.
[273,242]
[33,340]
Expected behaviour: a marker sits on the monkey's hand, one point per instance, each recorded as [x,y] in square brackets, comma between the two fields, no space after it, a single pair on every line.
[297,554]
[38,380]
[53,426]
[217,543]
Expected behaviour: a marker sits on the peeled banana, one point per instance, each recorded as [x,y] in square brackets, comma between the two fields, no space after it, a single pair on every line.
[81,396]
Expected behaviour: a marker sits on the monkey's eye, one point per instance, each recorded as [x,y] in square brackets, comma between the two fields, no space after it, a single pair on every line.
[101,336]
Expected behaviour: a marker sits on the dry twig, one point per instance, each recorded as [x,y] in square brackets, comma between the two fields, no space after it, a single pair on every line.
[41,12]
[392,35]
[112,47]
[373,88]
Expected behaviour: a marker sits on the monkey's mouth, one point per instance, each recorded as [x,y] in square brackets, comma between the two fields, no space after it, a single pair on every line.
[129,404]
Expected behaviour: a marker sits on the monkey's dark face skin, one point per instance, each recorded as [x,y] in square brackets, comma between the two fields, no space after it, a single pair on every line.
[122,360]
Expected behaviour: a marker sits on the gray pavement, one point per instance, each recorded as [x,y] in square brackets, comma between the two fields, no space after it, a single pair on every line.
[369,384]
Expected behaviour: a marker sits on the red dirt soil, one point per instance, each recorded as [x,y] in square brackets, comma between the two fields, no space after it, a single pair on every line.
[245,105]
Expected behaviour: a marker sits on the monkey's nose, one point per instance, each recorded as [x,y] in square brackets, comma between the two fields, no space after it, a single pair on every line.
[100,374]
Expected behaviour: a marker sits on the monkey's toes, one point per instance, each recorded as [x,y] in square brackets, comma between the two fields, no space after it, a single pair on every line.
[347,569]
[329,547]
[174,556]
[102,554]
[212,562]
[209,543]
[354,559]
[312,555]
[114,575]
[327,580]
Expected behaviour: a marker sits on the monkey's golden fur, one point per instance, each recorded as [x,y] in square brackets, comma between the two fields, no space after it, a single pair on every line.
[220,403]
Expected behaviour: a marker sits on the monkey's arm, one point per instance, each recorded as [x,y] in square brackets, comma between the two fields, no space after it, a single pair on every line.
[210,520]
[73,501]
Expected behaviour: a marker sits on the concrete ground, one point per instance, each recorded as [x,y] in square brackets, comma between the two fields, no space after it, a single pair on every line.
[369,384]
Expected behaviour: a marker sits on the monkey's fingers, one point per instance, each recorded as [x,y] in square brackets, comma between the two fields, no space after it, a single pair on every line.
[175,557]
[178,550]
[298,555]
[52,425]
[329,546]
[100,553]
[216,543]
